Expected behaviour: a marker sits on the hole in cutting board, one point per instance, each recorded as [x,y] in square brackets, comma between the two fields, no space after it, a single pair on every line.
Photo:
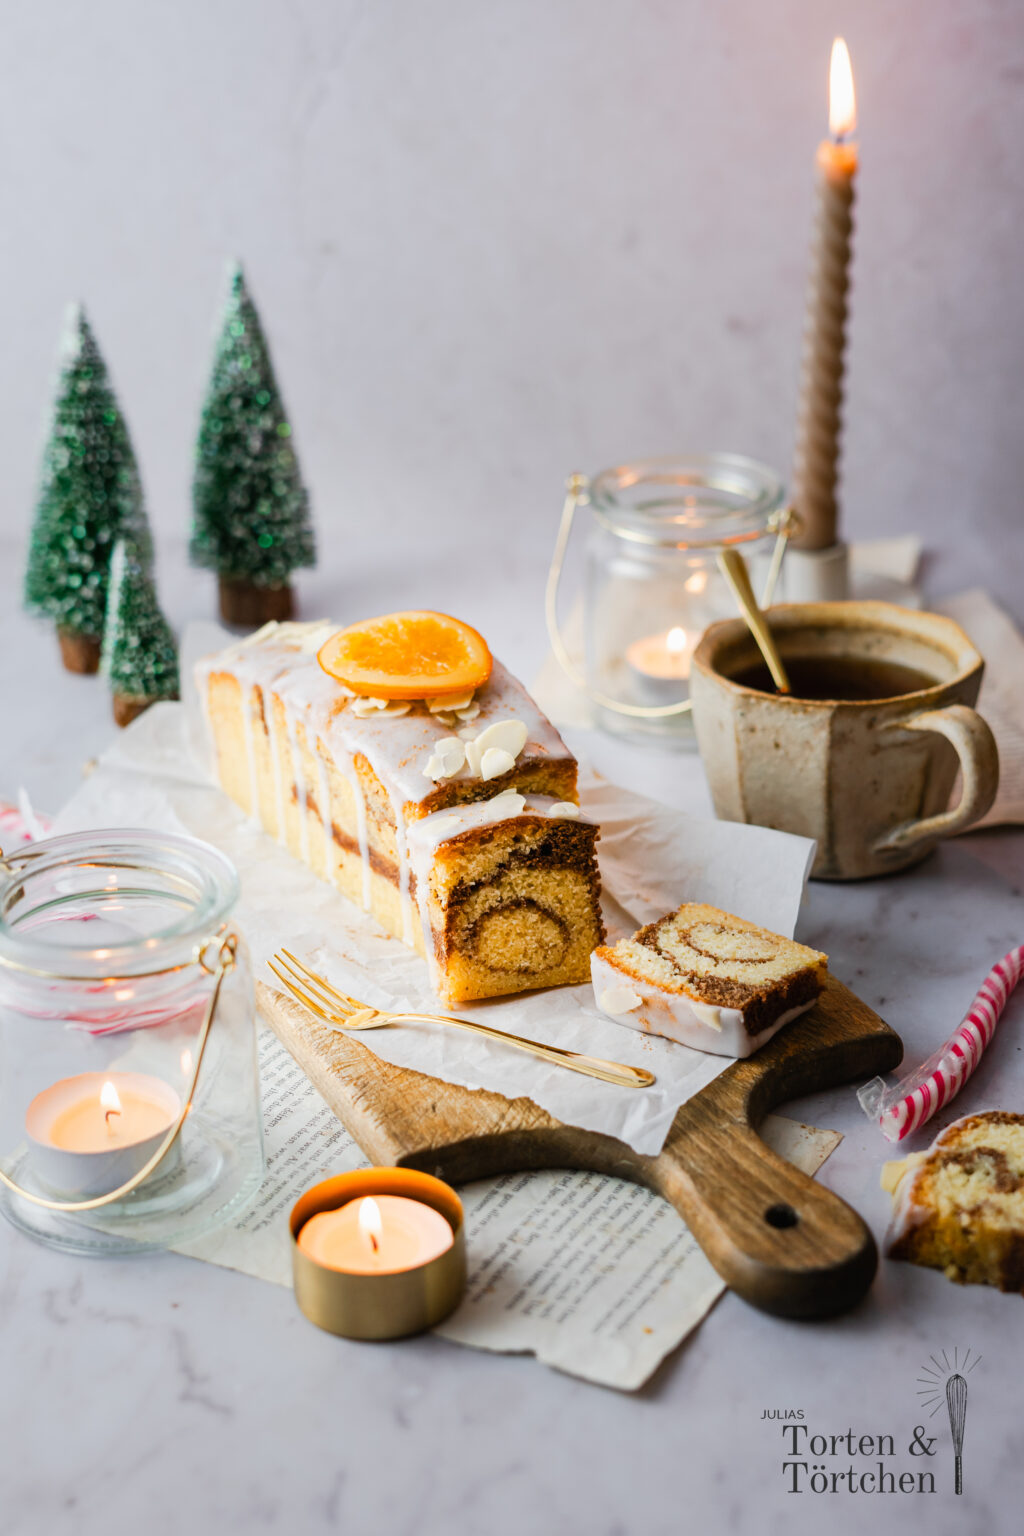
[781,1216]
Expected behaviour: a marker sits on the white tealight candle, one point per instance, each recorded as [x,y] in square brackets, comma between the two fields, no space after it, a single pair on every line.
[380,1235]
[92,1132]
[660,665]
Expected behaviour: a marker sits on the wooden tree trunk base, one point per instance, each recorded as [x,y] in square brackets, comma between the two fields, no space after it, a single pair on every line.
[127,709]
[79,653]
[241,602]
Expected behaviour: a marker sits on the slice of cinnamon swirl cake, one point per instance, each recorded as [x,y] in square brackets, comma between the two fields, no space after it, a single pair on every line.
[452,816]
[707,979]
[959,1206]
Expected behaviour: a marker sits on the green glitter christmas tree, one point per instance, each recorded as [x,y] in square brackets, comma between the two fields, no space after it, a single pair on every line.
[139,658]
[90,495]
[251,521]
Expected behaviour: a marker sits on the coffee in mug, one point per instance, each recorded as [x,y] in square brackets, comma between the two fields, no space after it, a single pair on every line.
[863,754]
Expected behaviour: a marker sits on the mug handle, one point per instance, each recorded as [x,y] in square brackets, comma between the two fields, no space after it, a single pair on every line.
[976,748]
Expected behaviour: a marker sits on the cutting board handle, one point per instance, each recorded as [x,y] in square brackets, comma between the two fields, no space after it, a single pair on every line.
[784,1243]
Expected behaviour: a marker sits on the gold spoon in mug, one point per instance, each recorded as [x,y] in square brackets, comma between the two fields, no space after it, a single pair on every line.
[734,569]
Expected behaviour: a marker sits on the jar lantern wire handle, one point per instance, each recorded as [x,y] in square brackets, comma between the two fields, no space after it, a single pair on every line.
[6,867]
[783,525]
[224,963]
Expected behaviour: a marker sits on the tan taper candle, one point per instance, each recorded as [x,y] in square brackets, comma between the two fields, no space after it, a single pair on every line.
[821,387]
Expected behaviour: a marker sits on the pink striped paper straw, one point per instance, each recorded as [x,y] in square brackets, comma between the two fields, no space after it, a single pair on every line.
[915,1098]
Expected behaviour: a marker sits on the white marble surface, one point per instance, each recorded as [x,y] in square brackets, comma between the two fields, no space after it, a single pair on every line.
[164,1395]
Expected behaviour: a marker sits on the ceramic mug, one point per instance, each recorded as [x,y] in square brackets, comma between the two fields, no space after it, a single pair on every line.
[868,778]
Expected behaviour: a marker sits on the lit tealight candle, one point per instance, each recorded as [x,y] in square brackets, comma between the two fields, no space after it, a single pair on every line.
[379,1253]
[92,1132]
[378,1235]
[661,664]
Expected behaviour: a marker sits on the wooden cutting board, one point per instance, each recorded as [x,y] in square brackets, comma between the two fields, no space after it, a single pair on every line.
[784,1243]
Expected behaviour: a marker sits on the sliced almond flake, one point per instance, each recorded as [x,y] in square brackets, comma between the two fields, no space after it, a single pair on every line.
[261,634]
[615,1000]
[447,703]
[315,637]
[470,712]
[564,809]
[473,756]
[505,736]
[447,758]
[495,761]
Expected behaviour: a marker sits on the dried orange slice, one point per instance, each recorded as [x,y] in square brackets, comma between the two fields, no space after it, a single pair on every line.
[418,655]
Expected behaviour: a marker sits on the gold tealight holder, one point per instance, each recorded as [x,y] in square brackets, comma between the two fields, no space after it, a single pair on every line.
[392,1303]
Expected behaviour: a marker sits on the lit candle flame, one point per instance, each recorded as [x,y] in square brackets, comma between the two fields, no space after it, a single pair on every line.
[842,103]
[677,641]
[110,1103]
[370,1224]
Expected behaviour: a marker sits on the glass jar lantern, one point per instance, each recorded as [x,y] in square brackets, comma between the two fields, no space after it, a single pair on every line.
[652,582]
[129,1088]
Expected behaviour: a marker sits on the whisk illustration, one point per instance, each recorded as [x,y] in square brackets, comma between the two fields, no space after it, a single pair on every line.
[956,1402]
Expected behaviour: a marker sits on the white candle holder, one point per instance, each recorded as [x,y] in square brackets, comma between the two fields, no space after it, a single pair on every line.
[129,1103]
[652,583]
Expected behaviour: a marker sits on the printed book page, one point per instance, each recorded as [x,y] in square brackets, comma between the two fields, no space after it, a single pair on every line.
[593,1275]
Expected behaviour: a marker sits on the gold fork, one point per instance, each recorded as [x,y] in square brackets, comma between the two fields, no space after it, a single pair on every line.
[342,1012]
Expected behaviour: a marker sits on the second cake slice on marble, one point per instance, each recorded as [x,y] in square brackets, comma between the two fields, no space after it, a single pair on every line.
[708,980]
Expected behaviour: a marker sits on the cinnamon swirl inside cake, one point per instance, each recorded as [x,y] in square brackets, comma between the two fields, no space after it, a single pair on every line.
[453,820]
[508,892]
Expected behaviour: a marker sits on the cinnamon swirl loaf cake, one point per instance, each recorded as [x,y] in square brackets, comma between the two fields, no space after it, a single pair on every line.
[453,819]
[707,979]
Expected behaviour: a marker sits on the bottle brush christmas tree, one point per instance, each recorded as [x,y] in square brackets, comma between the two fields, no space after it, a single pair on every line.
[139,658]
[90,495]
[251,521]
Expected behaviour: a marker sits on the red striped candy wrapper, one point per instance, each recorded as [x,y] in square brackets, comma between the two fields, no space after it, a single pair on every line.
[912,1101]
[20,823]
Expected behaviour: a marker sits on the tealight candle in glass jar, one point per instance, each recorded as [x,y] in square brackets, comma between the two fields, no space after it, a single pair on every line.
[652,583]
[129,1101]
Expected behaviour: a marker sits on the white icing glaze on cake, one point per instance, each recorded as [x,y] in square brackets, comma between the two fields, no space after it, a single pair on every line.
[299,779]
[323,800]
[281,659]
[277,767]
[719,1031]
